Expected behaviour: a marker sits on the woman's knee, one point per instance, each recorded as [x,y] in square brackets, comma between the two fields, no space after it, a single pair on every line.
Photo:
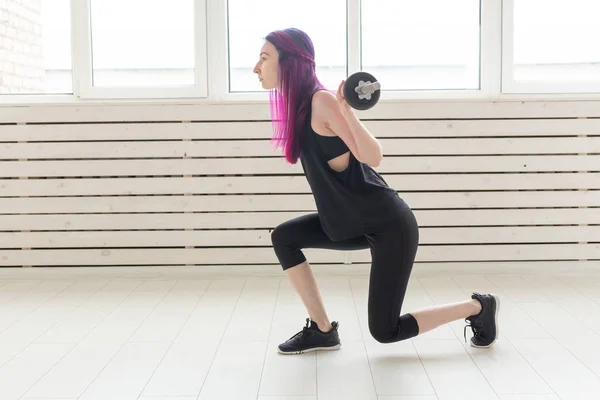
[385,331]
[381,331]
[287,252]
[284,236]
[277,237]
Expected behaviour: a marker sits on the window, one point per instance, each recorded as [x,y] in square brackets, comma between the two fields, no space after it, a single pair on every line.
[550,46]
[35,47]
[425,49]
[142,43]
[323,21]
[421,45]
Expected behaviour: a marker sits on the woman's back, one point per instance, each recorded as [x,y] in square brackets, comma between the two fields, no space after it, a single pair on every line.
[352,201]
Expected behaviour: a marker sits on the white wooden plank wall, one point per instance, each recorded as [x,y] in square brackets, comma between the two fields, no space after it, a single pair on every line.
[209,193]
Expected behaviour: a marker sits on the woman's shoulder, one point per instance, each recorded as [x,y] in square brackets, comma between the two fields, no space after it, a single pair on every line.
[323,97]
[323,102]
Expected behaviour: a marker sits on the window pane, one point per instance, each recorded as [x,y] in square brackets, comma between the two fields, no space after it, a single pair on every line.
[35,47]
[143,43]
[421,45]
[553,40]
[323,21]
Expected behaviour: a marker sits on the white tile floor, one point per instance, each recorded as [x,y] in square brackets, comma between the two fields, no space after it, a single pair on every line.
[72,335]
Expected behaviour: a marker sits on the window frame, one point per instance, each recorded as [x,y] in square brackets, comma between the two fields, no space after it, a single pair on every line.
[488,35]
[212,67]
[219,43]
[511,86]
[82,61]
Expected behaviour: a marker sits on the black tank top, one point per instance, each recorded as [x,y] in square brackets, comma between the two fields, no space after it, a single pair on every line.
[350,203]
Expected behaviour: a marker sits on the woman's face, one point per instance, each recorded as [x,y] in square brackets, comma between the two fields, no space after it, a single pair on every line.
[267,67]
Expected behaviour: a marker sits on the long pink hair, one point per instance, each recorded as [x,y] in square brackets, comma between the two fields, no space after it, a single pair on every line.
[290,103]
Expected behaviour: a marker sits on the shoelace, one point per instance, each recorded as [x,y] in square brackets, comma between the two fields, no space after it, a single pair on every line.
[303,332]
[475,326]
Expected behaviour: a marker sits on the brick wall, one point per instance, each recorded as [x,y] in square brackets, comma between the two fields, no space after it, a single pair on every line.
[21,58]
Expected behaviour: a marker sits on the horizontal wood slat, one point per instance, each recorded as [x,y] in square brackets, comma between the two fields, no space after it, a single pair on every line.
[265,255]
[245,220]
[258,130]
[263,148]
[262,237]
[503,252]
[289,184]
[210,193]
[287,202]
[276,166]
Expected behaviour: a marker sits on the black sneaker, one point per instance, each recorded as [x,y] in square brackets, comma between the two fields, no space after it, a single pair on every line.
[485,324]
[310,338]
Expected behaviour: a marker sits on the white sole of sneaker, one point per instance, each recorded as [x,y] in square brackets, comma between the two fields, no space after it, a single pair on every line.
[497,325]
[336,347]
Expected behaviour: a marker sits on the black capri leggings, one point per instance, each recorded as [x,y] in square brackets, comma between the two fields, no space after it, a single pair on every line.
[393,252]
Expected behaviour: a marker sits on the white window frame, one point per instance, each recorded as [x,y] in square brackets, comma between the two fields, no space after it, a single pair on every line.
[218,48]
[510,86]
[490,57]
[212,67]
[82,61]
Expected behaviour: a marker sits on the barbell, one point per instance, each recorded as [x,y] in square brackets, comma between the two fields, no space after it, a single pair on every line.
[361,90]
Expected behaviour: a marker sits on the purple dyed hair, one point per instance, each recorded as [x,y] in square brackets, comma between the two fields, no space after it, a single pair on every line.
[291,102]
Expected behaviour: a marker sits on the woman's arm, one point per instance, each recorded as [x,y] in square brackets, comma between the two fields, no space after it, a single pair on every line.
[370,147]
[337,116]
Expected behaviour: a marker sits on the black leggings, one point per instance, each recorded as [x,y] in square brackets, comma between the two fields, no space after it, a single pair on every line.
[393,252]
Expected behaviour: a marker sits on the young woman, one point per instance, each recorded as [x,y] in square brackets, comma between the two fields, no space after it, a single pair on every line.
[356,209]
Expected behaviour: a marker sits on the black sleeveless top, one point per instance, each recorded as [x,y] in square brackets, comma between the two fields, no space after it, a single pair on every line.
[331,146]
[350,203]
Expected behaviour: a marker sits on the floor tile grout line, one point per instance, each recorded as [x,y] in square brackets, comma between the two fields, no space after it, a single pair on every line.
[556,303]
[578,290]
[35,308]
[499,291]
[11,300]
[37,282]
[126,340]
[74,344]
[461,343]
[72,310]
[176,336]
[504,293]
[44,332]
[360,328]
[221,340]
[532,367]
[551,335]
[268,338]
[456,334]
[316,373]
[523,356]
[69,352]
[541,327]
[415,347]
[53,365]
